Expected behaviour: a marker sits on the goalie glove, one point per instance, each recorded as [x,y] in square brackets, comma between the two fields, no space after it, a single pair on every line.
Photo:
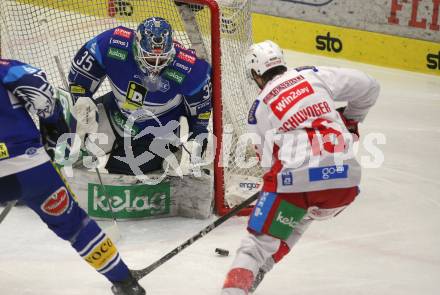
[196,160]
[196,147]
[350,124]
[85,112]
[51,130]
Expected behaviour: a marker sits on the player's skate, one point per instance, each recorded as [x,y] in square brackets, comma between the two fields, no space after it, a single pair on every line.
[258,278]
[128,287]
[268,265]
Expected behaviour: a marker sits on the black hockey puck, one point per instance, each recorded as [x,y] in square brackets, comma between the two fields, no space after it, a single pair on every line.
[221,252]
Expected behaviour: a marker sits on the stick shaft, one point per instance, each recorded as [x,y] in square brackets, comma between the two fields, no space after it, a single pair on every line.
[8,208]
[138,274]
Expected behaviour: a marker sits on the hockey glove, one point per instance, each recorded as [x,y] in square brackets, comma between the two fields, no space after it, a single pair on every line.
[199,145]
[86,114]
[352,125]
[51,130]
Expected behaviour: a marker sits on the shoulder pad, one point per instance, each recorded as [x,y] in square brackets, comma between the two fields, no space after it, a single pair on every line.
[4,62]
[122,32]
[179,46]
[119,43]
[113,43]
[189,71]
[182,65]
[185,55]
[17,70]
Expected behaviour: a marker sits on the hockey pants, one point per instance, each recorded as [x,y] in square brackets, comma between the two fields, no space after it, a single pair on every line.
[263,246]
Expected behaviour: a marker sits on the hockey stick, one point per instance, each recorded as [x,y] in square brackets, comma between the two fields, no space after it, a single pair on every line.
[113,231]
[138,274]
[188,16]
[8,208]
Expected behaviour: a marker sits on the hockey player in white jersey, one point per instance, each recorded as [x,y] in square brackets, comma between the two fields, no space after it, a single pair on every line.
[305,151]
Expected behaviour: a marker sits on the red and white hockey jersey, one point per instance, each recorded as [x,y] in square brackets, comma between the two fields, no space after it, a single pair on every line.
[302,142]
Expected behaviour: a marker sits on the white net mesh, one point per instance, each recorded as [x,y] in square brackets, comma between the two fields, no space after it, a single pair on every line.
[35,31]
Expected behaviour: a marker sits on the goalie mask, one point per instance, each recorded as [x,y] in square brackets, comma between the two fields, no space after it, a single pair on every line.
[262,57]
[154,48]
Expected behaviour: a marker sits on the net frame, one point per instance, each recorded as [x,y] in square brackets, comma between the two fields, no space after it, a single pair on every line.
[217,23]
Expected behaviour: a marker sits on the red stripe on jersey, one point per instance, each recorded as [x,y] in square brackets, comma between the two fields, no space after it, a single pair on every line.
[271,215]
[270,178]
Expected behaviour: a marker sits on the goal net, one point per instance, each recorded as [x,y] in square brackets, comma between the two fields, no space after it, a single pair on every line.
[35,31]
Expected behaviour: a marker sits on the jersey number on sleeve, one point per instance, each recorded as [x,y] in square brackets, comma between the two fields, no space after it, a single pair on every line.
[207,90]
[85,61]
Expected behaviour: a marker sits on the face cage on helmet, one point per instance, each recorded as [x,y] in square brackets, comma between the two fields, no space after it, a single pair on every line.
[160,60]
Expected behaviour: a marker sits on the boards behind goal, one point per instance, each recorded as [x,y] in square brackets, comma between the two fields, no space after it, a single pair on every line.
[35,31]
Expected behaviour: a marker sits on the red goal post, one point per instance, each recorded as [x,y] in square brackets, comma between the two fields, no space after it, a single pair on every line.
[221,205]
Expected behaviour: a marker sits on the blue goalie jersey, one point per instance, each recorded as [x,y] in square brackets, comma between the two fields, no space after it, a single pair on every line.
[183,88]
[23,89]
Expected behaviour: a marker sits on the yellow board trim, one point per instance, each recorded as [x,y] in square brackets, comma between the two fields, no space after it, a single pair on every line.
[142,9]
[361,46]
[97,8]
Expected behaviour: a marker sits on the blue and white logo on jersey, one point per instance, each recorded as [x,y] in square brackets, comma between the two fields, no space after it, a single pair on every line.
[287,178]
[30,70]
[16,72]
[31,152]
[164,85]
[327,173]
[119,43]
[261,210]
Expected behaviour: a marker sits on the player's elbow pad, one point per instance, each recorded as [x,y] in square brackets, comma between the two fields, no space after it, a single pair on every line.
[371,94]
[39,101]
[375,91]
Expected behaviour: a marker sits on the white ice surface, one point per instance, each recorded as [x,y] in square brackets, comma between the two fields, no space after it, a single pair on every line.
[386,243]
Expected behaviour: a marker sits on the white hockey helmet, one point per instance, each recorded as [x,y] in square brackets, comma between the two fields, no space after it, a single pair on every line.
[264,56]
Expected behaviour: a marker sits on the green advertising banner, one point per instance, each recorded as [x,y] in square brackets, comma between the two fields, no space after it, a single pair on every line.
[129,202]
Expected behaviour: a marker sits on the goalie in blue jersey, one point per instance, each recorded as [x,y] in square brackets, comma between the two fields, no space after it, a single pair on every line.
[154,82]
[27,174]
